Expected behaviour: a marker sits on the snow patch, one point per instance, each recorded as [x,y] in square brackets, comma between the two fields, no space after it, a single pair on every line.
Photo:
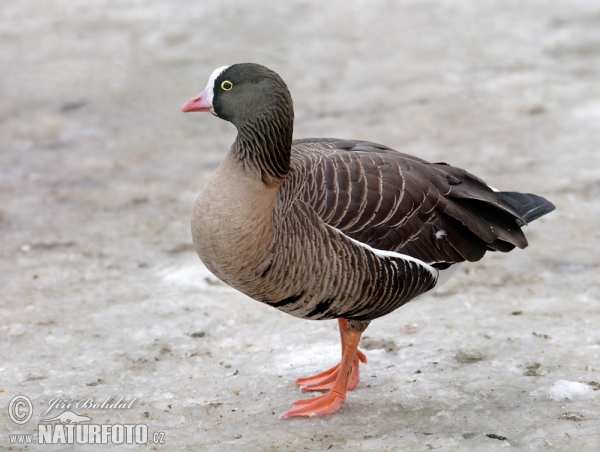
[192,277]
[568,390]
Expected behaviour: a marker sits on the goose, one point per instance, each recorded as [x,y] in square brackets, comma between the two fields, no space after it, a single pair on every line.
[325,228]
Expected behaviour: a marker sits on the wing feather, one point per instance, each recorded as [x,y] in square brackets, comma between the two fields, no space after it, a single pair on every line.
[395,202]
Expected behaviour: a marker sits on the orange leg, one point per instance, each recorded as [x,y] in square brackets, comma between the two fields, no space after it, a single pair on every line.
[331,402]
[324,381]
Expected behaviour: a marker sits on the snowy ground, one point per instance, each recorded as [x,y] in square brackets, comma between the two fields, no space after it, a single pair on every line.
[102,293]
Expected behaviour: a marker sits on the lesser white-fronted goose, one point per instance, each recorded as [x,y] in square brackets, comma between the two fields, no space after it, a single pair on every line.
[323,228]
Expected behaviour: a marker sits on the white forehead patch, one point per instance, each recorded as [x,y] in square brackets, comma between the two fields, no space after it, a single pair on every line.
[210,94]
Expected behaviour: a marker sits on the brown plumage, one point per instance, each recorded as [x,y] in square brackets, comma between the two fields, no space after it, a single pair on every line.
[336,229]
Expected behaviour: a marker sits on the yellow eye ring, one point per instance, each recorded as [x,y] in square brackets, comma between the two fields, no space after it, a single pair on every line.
[226,85]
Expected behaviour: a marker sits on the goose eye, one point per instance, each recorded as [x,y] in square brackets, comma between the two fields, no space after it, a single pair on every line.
[226,85]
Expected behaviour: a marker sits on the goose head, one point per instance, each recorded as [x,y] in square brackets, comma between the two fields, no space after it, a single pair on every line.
[244,92]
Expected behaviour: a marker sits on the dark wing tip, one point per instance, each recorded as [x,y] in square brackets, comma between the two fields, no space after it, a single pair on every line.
[529,206]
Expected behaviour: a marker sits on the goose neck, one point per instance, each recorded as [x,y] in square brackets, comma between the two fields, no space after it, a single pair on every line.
[264,144]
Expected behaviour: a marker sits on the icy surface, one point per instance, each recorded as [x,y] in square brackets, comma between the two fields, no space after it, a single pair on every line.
[569,390]
[102,293]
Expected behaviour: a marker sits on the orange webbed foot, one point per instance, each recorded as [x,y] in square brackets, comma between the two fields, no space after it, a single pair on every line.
[324,381]
[316,406]
[338,379]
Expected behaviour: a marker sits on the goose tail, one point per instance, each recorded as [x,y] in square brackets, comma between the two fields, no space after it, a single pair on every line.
[529,206]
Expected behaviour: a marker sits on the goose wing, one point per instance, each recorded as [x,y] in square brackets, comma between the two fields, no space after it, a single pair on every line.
[395,202]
